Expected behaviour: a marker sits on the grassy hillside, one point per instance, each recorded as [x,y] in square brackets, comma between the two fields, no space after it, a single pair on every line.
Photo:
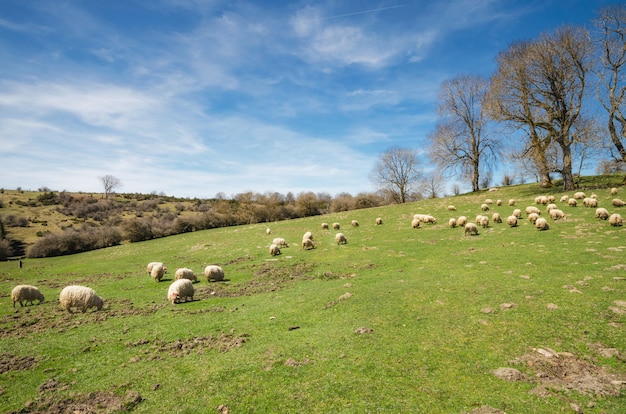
[397,320]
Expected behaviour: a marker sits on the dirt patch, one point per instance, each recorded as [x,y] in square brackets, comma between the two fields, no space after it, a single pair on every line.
[155,349]
[562,371]
[10,362]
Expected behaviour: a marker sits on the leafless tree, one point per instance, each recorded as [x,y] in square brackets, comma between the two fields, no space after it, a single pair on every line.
[397,173]
[433,185]
[110,183]
[461,142]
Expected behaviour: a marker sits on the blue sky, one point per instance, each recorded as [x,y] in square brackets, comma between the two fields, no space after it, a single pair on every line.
[195,97]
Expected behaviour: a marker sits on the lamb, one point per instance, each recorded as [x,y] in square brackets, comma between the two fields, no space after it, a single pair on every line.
[532,209]
[152,264]
[511,202]
[532,217]
[557,214]
[180,290]
[415,223]
[617,202]
[280,242]
[81,297]
[511,221]
[307,244]
[496,218]
[451,208]
[214,273]
[452,223]
[355,223]
[517,213]
[572,202]
[336,226]
[613,191]
[542,224]
[615,220]
[324,226]
[484,207]
[379,221]
[185,273]
[274,249]
[602,213]
[158,271]
[461,221]
[471,228]
[340,238]
[26,293]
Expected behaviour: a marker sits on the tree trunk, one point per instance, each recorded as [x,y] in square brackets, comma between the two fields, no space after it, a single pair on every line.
[568,177]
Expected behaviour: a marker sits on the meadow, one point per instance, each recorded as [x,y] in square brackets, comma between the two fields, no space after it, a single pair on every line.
[396,320]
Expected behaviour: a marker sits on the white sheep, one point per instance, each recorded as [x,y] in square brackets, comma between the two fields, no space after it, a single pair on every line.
[81,297]
[158,271]
[471,228]
[579,195]
[542,224]
[550,206]
[484,222]
[307,244]
[532,209]
[415,223]
[26,293]
[336,226]
[551,199]
[484,207]
[488,201]
[280,242]
[511,202]
[613,191]
[429,219]
[461,221]
[151,265]
[572,202]
[379,221]
[340,238]
[180,290]
[541,200]
[517,213]
[268,231]
[354,223]
[498,202]
[615,220]
[557,214]
[590,202]
[451,208]
[564,199]
[532,217]
[214,273]
[496,218]
[324,226]
[307,235]
[274,249]
[452,222]
[511,221]
[602,213]
[185,273]
[617,202]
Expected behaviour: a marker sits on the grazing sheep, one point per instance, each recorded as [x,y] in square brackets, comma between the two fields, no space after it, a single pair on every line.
[572,202]
[557,214]
[511,221]
[26,293]
[541,200]
[451,208]
[307,244]
[590,202]
[354,223]
[496,218]
[415,223]
[336,226]
[158,271]
[511,202]
[613,191]
[617,202]
[517,213]
[564,199]
[471,228]
[542,224]
[551,199]
[488,201]
[307,235]
[324,226]
[80,297]
[532,209]
[274,250]
[602,213]
[340,238]
[484,207]
[615,220]
[461,221]
[214,273]
[579,195]
[379,221]
[427,218]
[593,195]
[550,206]
[268,231]
[280,242]
[452,223]
[484,222]
[532,217]
[185,273]
[152,264]
[180,290]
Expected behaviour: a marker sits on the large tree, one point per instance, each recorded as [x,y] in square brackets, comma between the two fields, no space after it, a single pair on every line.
[461,142]
[397,173]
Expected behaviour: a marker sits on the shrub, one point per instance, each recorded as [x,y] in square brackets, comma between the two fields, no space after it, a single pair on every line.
[5,249]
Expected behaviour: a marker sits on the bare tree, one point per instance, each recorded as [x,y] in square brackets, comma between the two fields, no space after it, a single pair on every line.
[433,185]
[397,173]
[461,142]
[110,183]
[610,41]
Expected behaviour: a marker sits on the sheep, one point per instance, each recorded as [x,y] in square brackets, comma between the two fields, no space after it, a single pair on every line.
[81,297]
[180,290]
[340,238]
[214,273]
[354,223]
[572,202]
[488,201]
[461,221]
[511,221]
[551,199]
[152,264]
[498,202]
[415,223]
[26,293]
[590,202]
[307,235]
[496,218]
[471,228]
[307,244]
[541,200]
[617,202]
[484,222]
[564,199]
[274,250]
[593,195]
[484,207]
[452,223]
[579,195]
[158,271]
[427,218]
[511,202]
[557,214]
[451,208]
[185,273]
[324,226]
[550,206]
[532,209]
[542,224]
[615,220]
[379,221]
[280,242]
[602,213]
[613,191]
[532,217]
[517,213]
[268,231]
[336,226]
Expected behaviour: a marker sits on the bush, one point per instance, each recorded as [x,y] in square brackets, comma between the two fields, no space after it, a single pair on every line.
[75,241]
[5,249]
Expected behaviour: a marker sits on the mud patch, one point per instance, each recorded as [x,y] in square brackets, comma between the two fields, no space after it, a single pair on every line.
[155,349]
[10,362]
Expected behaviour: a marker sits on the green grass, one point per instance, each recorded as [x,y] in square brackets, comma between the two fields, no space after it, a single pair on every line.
[421,292]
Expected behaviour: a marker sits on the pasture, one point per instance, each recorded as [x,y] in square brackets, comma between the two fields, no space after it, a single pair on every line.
[396,320]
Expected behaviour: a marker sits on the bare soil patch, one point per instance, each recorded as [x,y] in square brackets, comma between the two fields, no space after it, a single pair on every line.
[9,362]
[155,349]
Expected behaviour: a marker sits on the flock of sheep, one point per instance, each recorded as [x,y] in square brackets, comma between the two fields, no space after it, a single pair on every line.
[83,298]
